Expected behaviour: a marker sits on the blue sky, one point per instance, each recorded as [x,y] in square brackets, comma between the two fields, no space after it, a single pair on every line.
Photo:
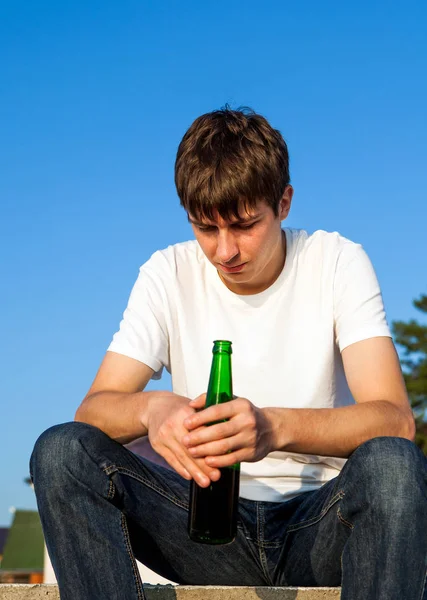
[94,99]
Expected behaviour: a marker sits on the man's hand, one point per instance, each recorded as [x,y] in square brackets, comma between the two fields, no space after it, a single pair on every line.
[165,423]
[246,435]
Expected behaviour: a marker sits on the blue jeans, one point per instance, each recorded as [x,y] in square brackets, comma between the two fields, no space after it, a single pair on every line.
[101,506]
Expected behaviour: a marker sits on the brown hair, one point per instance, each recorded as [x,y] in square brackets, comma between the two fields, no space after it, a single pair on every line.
[229,156]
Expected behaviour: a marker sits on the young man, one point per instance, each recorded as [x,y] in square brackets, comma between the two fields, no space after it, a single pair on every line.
[333,490]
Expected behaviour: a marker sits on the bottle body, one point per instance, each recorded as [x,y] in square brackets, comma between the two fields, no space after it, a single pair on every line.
[213,510]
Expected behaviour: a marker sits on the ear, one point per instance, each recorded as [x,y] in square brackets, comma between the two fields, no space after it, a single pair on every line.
[285,202]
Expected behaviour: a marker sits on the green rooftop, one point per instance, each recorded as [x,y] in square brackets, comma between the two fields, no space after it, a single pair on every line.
[24,548]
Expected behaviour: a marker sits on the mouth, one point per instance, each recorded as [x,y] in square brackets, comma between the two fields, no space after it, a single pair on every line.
[235,269]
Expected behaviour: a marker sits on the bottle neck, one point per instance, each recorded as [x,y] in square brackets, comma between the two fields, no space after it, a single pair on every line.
[220,388]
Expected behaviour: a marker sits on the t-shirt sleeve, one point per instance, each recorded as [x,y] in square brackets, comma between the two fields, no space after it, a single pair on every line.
[358,305]
[143,333]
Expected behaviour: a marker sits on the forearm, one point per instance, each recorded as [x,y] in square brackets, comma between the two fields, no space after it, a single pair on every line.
[122,416]
[336,431]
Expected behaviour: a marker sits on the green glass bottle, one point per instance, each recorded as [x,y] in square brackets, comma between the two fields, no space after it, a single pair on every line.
[213,510]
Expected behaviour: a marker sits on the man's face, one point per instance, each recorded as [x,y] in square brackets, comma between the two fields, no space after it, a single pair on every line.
[248,252]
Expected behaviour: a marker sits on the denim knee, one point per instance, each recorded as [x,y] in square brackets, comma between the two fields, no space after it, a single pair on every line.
[57,450]
[392,471]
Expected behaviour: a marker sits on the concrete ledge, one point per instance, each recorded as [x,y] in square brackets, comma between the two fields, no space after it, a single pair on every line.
[180,592]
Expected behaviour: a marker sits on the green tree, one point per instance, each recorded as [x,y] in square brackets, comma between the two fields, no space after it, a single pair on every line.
[412,337]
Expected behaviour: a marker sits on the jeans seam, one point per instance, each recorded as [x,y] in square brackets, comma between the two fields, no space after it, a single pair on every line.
[424,586]
[138,584]
[344,521]
[252,545]
[277,544]
[319,517]
[109,470]
[260,532]
[111,491]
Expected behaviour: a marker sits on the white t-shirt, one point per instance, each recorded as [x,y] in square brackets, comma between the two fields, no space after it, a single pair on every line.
[286,340]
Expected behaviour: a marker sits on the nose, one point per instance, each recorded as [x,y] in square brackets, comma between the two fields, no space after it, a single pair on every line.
[227,247]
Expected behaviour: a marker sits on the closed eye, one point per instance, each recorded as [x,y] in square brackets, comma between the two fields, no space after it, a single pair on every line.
[212,228]
[241,226]
[205,227]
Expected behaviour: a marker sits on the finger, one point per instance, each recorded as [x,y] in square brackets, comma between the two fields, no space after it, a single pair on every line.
[219,412]
[212,472]
[195,469]
[199,402]
[175,464]
[226,460]
[204,434]
[182,463]
[222,446]
[198,469]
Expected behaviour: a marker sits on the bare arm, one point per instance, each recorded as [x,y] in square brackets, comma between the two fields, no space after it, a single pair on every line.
[382,409]
[117,404]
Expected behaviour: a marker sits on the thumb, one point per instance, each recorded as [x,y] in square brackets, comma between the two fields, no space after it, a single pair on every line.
[199,402]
